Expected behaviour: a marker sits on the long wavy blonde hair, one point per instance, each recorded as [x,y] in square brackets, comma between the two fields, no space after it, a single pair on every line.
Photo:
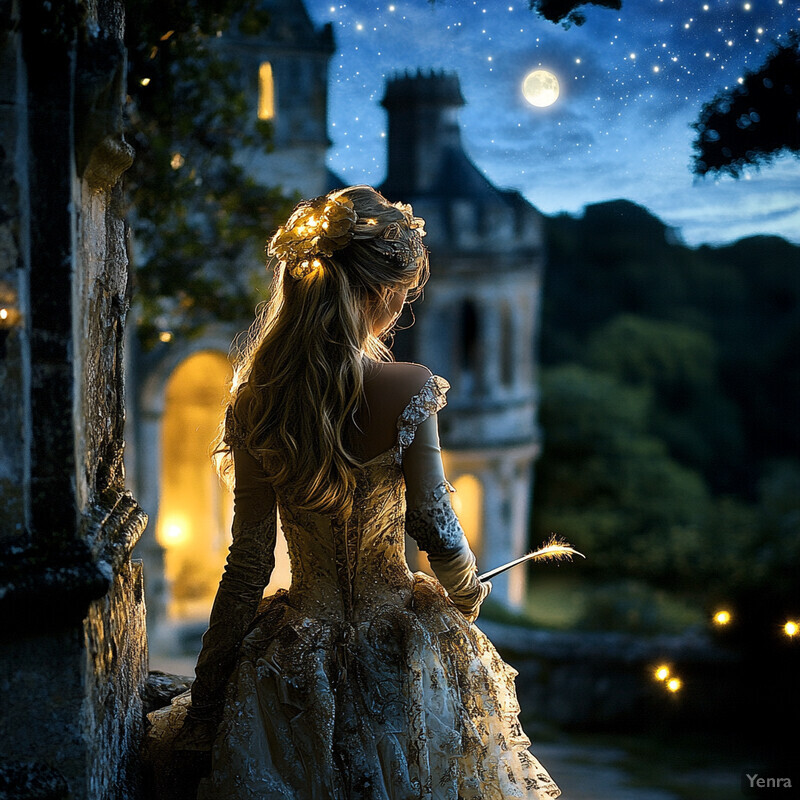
[303,360]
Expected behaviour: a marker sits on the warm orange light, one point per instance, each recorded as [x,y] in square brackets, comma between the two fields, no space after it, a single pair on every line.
[174,531]
[266,91]
[165,336]
[661,673]
[722,617]
[790,628]
[674,684]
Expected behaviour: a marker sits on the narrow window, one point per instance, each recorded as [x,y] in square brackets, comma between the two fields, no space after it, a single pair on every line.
[507,346]
[266,92]
[468,345]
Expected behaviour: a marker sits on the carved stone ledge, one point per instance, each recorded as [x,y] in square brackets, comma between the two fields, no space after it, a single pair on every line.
[107,162]
[161,687]
[41,587]
[113,526]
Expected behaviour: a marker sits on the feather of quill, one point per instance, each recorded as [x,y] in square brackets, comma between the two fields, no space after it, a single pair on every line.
[554,549]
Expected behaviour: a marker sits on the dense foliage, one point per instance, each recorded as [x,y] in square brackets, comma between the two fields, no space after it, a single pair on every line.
[195,214]
[670,390]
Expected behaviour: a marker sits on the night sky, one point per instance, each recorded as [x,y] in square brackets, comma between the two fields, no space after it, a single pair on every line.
[632,82]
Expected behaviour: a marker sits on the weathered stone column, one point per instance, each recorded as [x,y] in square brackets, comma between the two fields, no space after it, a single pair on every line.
[74,653]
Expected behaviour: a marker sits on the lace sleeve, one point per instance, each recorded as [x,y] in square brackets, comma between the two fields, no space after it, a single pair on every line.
[234,435]
[431,521]
[250,562]
[429,400]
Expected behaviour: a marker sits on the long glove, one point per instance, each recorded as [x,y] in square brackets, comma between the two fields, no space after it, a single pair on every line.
[250,562]
[432,523]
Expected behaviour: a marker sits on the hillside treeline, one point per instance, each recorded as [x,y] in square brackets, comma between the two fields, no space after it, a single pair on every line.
[670,398]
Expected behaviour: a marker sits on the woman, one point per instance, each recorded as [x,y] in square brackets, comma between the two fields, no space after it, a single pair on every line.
[363,680]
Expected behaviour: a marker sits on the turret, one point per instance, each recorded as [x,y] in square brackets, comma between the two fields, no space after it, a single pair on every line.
[423,126]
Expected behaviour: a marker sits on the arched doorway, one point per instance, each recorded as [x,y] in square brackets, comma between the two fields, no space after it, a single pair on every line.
[194,508]
[468,504]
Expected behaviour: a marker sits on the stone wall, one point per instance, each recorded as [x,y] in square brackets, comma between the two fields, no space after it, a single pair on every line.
[604,681]
[74,652]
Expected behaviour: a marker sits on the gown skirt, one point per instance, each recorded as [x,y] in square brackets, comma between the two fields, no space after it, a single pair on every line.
[413,703]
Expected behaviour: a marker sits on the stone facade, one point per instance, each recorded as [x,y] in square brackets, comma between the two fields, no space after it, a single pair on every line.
[74,654]
[479,321]
[298,55]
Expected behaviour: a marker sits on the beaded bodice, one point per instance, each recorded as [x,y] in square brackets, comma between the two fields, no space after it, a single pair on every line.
[345,569]
[348,569]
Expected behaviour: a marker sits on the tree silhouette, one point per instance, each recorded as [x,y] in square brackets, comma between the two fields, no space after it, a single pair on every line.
[566,10]
[195,214]
[756,121]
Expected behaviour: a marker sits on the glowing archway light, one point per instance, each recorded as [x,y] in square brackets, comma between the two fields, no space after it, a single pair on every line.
[174,531]
[540,88]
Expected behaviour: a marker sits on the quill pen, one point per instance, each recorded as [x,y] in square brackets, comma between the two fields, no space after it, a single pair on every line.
[554,549]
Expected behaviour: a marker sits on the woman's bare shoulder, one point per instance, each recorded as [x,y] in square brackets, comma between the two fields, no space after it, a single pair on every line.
[390,386]
[402,378]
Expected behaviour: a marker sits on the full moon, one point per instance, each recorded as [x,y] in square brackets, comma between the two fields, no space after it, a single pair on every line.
[540,88]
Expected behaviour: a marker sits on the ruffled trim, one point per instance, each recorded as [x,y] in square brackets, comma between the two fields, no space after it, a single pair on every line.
[430,399]
[233,434]
[414,700]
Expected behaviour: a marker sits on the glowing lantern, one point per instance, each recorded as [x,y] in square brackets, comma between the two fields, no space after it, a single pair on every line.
[674,684]
[662,672]
[790,628]
[722,617]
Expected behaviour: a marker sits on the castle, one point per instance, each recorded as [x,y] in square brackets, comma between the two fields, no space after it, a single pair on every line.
[477,327]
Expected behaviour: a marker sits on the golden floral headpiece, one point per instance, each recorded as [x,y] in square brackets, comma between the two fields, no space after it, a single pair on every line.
[318,228]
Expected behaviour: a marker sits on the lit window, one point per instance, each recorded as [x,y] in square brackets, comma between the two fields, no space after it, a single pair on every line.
[266,92]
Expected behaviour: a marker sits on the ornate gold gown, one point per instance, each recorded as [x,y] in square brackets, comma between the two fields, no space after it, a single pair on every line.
[362,681]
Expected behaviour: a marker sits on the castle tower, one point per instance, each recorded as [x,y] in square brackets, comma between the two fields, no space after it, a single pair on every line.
[283,71]
[478,323]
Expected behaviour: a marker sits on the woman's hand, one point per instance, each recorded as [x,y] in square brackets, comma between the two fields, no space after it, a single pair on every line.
[469,604]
